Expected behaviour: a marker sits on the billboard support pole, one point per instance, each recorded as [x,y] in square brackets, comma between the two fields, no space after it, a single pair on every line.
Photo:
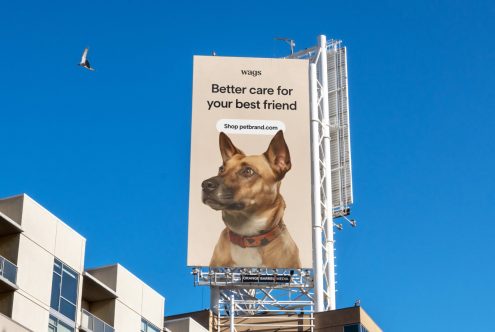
[316,192]
[327,215]
[232,313]
[330,140]
[214,298]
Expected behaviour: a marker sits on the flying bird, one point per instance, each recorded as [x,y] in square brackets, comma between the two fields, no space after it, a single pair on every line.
[84,60]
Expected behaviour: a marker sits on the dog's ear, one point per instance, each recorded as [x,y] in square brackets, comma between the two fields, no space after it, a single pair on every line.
[227,148]
[278,155]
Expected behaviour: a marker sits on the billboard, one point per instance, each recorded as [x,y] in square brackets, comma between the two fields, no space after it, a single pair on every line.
[250,175]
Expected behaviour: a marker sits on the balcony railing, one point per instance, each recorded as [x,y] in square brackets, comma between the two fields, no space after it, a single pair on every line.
[8,270]
[91,323]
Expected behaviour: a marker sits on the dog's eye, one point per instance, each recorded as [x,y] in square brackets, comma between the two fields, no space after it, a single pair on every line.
[247,172]
[221,169]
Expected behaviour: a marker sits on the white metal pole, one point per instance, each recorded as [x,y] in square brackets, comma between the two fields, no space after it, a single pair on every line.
[214,299]
[316,192]
[232,314]
[329,243]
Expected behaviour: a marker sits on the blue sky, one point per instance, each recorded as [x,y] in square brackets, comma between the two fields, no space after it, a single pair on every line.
[108,151]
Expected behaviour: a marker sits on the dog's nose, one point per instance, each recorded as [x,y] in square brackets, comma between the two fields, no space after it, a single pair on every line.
[209,185]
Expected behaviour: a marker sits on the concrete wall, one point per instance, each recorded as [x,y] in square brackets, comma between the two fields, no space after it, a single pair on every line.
[44,237]
[105,310]
[203,317]
[368,322]
[34,271]
[106,274]
[9,247]
[126,319]
[153,306]
[135,298]
[333,321]
[12,207]
[30,313]
[134,295]
[8,325]
[53,235]
[186,324]
[6,300]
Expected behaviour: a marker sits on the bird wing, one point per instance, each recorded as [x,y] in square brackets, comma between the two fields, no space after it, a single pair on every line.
[88,66]
[83,57]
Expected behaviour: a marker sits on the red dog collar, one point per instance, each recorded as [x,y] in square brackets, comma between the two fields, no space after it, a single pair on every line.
[256,240]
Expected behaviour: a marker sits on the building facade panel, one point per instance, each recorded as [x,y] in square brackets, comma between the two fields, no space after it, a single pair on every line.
[368,322]
[126,319]
[7,325]
[35,268]
[29,313]
[186,324]
[152,306]
[129,289]
[39,224]
[69,247]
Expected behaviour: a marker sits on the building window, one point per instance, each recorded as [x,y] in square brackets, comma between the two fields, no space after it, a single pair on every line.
[355,328]
[148,327]
[55,325]
[64,290]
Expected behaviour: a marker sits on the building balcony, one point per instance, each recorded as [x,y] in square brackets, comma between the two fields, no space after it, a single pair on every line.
[91,323]
[94,290]
[8,226]
[8,275]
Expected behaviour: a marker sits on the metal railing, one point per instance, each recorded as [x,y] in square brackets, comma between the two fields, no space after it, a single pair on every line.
[8,270]
[90,322]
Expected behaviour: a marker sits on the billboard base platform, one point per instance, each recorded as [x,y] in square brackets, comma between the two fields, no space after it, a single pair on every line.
[272,299]
[253,277]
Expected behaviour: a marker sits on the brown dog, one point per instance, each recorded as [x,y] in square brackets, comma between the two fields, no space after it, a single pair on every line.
[247,191]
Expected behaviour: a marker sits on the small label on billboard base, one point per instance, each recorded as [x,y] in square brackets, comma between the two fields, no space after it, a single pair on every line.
[254,278]
[250,127]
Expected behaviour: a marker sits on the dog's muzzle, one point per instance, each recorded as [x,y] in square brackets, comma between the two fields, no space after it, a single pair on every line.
[210,185]
[217,196]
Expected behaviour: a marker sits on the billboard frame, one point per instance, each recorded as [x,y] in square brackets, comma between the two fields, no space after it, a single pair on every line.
[312,290]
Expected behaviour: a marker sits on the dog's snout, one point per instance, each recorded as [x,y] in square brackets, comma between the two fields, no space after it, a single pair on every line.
[209,185]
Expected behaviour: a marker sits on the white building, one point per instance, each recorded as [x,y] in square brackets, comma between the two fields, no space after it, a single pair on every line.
[44,287]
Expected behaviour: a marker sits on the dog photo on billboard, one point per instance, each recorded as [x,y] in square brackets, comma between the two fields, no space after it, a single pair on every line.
[247,192]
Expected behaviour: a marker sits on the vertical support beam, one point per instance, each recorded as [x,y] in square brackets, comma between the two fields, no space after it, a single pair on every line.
[346,84]
[232,313]
[214,299]
[328,213]
[316,192]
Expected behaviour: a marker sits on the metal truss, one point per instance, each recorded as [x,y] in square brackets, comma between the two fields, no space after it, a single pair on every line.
[238,305]
[264,309]
[331,159]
